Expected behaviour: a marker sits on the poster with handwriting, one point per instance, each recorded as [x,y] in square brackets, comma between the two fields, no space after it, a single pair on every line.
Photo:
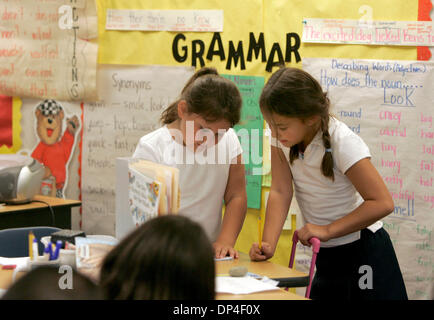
[165,20]
[392,33]
[250,134]
[45,50]
[132,99]
[390,105]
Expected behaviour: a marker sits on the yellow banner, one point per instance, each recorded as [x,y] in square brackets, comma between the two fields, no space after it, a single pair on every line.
[16,128]
[138,47]
[257,37]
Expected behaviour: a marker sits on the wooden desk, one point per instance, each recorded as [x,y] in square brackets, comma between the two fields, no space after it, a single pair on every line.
[6,277]
[38,214]
[263,268]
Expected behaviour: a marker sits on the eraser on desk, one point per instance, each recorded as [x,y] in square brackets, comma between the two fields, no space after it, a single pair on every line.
[66,235]
[239,271]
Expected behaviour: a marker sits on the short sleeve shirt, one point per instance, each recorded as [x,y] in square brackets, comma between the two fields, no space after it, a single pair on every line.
[202,181]
[322,200]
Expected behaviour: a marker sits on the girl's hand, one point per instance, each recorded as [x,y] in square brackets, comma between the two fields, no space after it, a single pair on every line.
[222,250]
[257,254]
[313,230]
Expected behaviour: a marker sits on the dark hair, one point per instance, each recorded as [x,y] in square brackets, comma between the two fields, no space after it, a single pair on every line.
[166,258]
[209,95]
[292,92]
[42,283]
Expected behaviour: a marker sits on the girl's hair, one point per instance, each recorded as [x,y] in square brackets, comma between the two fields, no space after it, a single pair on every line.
[166,258]
[292,92]
[42,283]
[209,95]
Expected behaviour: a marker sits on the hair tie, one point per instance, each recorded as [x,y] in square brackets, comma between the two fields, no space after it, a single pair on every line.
[328,150]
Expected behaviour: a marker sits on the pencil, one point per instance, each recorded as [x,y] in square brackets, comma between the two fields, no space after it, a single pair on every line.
[31,237]
[260,231]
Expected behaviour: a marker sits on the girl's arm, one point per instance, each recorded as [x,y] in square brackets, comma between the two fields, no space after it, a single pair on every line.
[378,204]
[236,206]
[279,200]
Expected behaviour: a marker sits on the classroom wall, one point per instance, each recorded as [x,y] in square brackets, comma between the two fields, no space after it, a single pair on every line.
[279,22]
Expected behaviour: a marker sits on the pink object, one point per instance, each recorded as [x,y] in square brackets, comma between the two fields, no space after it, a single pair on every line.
[9,267]
[315,249]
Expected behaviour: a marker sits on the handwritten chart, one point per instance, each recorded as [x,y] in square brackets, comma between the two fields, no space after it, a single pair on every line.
[250,134]
[400,33]
[132,99]
[390,105]
[45,52]
[165,20]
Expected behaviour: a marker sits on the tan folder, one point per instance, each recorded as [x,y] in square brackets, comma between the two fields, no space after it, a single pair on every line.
[168,177]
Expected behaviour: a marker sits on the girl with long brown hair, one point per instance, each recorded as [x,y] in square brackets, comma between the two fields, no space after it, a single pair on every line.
[198,139]
[341,195]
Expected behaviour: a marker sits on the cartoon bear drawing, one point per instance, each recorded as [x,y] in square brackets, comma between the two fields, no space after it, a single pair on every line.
[54,150]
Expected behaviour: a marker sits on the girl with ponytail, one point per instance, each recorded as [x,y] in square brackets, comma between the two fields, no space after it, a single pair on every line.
[341,195]
[198,139]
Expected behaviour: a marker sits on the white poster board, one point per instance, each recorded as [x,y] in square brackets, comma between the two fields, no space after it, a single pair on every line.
[397,33]
[165,20]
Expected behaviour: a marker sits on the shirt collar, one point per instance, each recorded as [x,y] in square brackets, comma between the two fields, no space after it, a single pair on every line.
[317,140]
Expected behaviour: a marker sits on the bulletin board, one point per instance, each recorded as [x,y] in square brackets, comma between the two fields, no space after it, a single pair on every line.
[136,73]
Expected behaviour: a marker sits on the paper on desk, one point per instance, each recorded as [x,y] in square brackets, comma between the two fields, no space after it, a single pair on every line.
[223,259]
[21,263]
[241,285]
[90,252]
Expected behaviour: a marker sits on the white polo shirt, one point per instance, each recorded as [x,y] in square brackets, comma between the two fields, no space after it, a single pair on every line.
[321,200]
[202,183]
